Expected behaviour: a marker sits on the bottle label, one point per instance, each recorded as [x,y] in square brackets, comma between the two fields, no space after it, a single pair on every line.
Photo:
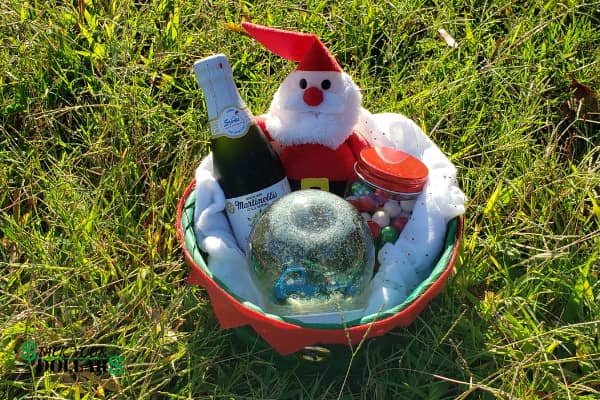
[232,122]
[244,211]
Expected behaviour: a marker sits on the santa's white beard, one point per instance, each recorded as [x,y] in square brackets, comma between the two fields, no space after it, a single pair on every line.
[291,122]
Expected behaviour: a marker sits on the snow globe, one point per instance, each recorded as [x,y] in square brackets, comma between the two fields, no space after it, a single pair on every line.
[311,252]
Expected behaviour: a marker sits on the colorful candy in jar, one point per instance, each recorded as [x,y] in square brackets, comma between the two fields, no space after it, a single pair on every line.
[385,193]
[385,217]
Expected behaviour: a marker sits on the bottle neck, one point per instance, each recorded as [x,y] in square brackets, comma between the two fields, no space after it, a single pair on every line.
[220,94]
[227,112]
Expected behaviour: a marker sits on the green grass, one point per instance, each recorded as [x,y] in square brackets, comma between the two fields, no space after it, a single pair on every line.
[102,125]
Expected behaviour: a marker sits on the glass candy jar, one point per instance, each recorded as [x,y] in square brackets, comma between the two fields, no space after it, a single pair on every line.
[389,182]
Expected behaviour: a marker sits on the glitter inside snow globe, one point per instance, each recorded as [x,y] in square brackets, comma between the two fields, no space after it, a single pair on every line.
[311,252]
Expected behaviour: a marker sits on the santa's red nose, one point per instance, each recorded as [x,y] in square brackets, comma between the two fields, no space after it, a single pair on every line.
[313,96]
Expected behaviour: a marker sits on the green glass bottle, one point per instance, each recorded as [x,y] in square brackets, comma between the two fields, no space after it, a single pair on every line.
[248,169]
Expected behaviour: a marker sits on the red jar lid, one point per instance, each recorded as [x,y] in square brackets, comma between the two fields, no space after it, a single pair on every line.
[392,170]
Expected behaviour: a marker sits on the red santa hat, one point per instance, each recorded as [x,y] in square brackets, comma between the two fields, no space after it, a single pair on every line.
[303,48]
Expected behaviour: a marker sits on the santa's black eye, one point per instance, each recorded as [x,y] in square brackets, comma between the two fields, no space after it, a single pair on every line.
[303,83]
[326,84]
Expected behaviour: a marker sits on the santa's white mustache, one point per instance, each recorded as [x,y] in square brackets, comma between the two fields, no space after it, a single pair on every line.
[332,104]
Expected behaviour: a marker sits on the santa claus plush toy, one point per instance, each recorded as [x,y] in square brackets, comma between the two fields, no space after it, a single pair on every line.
[311,118]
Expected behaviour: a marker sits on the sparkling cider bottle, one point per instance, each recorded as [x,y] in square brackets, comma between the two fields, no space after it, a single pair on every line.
[248,169]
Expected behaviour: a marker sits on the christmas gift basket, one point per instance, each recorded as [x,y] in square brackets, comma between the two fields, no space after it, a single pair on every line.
[305,269]
[286,335]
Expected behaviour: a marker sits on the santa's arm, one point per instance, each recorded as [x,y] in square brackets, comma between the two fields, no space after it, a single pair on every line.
[260,121]
[357,143]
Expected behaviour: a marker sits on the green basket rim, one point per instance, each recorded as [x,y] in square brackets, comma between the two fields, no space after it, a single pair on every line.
[187,225]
